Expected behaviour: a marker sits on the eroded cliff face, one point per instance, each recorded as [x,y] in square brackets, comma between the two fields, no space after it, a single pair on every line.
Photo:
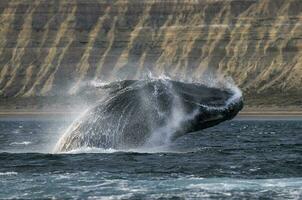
[51,47]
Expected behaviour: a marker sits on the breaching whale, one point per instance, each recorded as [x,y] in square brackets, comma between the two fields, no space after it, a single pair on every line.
[138,113]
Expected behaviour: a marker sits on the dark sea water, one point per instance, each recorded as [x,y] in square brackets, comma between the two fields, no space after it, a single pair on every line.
[240,159]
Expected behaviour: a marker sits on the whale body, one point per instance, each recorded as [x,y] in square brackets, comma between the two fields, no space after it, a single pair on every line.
[136,113]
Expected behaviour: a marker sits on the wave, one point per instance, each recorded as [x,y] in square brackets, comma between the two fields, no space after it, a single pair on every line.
[8,173]
[21,143]
[142,150]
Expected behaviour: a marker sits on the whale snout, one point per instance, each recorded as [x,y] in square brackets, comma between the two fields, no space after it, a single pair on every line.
[233,109]
[212,116]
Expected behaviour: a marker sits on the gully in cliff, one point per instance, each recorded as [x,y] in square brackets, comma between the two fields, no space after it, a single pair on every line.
[153,112]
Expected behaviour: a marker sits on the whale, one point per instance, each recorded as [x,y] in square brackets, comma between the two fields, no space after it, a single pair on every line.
[153,112]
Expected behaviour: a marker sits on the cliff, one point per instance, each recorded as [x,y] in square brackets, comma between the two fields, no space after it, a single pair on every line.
[50,47]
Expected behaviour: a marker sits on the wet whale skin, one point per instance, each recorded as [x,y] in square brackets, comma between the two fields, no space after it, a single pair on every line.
[136,111]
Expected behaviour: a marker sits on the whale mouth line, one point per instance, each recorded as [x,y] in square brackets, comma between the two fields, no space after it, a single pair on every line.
[150,113]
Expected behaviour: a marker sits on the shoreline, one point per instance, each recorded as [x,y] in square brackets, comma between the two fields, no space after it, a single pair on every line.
[7,114]
[271,113]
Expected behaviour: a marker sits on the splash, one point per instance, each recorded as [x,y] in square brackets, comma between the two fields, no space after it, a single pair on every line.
[164,134]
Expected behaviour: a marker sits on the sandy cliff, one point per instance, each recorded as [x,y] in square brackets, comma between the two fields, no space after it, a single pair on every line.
[50,47]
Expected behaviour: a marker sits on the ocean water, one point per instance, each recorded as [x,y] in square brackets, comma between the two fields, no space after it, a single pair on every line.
[239,159]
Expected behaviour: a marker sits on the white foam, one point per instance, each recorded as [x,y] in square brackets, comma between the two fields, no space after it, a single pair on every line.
[143,149]
[190,187]
[83,150]
[8,173]
[21,143]
[227,184]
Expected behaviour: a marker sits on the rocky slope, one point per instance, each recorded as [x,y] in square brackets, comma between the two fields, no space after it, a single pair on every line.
[51,47]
